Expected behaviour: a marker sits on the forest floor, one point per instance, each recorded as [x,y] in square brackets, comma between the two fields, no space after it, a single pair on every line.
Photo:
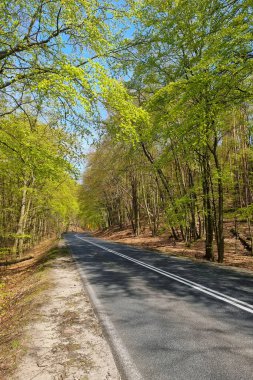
[235,254]
[48,329]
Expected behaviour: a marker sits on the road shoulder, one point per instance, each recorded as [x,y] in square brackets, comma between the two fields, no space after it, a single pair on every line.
[64,339]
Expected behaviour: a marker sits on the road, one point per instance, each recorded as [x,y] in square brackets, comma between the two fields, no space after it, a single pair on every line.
[166,317]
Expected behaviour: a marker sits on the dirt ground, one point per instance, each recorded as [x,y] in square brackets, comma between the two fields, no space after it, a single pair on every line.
[20,284]
[52,333]
[235,254]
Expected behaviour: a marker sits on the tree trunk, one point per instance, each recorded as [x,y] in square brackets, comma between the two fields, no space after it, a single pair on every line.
[208,210]
[135,206]
[219,217]
[18,243]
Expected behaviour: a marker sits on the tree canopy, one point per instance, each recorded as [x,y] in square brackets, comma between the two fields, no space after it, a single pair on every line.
[168,87]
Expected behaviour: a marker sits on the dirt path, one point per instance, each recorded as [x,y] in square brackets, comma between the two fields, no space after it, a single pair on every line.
[64,339]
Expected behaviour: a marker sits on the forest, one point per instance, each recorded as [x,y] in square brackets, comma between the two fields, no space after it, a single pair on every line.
[163,89]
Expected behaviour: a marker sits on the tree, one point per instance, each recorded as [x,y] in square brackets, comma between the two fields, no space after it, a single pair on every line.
[49,55]
[37,182]
[196,63]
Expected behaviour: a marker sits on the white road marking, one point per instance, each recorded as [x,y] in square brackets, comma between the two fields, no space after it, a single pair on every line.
[223,297]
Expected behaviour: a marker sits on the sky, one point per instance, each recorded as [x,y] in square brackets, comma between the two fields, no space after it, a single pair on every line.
[128,32]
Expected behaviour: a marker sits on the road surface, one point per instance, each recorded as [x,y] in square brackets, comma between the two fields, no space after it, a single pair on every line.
[165,317]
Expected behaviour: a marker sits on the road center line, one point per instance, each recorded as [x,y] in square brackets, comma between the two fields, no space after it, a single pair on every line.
[223,297]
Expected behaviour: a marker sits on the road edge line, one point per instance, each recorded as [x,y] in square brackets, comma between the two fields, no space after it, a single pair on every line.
[220,296]
[122,358]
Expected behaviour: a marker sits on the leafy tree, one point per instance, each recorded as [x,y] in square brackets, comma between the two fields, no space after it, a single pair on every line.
[50,53]
[37,182]
[194,66]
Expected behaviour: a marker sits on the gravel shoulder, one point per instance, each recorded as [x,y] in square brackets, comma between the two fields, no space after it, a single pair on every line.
[64,339]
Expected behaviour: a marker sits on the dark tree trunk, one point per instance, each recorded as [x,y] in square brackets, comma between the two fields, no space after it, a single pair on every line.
[219,217]
[208,210]
[135,206]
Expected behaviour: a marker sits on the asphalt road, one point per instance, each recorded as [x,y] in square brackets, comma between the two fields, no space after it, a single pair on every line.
[165,317]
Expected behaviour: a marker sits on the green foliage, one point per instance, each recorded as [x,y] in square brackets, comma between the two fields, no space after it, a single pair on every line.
[50,53]
[177,136]
[131,118]
[35,172]
[188,96]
